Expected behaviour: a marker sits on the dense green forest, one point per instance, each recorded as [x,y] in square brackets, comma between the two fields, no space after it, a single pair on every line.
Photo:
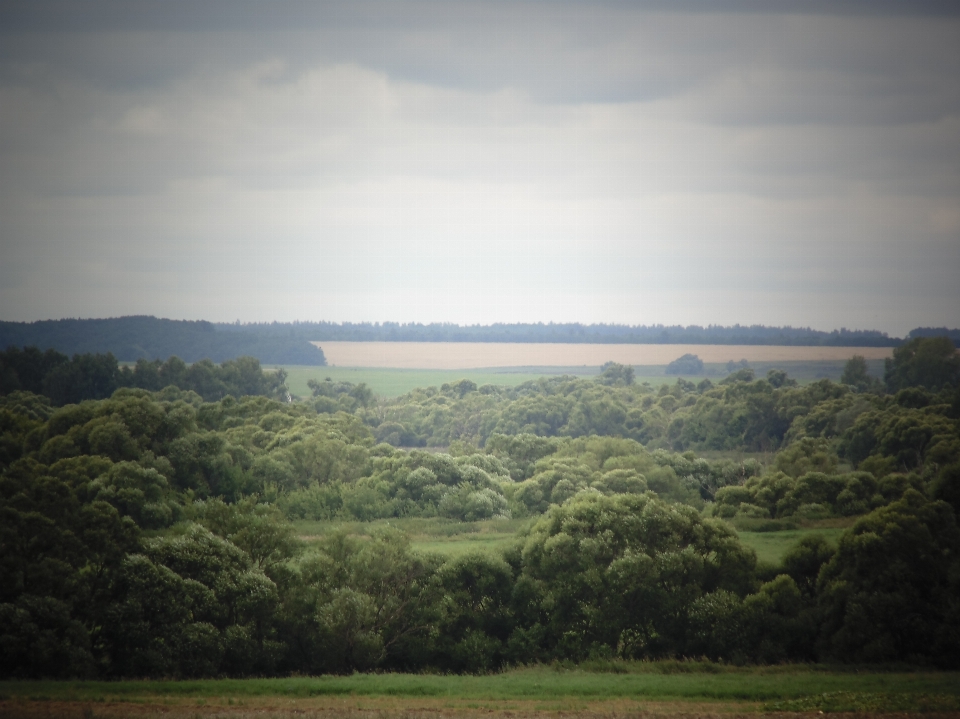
[150,533]
[132,338]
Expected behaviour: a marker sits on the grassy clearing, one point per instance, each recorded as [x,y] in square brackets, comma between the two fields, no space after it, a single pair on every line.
[429,535]
[395,382]
[717,682]
[460,355]
[638,680]
[458,546]
[772,546]
[453,539]
[427,527]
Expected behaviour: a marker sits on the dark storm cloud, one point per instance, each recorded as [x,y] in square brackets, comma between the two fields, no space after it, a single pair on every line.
[297,14]
[559,51]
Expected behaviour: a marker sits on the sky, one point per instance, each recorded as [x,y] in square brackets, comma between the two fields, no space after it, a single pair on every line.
[691,162]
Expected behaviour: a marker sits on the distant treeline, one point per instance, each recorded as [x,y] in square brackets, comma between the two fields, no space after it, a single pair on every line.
[954,335]
[578,333]
[140,337]
[289,343]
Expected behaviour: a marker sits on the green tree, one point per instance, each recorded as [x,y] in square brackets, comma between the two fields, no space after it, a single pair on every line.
[616,374]
[142,494]
[855,375]
[688,364]
[26,369]
[360,604]
[257,528]
[477,619]
[617,575]
[804,561]
[88,376]
[929,362]
[890,592]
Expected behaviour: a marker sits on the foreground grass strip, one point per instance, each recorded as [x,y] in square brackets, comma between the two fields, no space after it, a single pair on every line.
[873,703]
[310,709]
[639,682]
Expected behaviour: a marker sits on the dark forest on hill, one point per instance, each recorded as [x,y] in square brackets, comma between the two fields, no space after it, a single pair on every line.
[571,333]
[141,337]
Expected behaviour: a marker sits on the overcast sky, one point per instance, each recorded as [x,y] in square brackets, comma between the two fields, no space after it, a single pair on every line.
[690,162]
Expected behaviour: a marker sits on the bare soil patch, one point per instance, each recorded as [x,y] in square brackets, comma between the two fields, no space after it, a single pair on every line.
[473,355]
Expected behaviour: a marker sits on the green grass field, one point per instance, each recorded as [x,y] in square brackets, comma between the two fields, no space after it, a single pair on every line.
[450,538]
[432,535]
[458,546]
[620,679]
[772,546]
[395,382]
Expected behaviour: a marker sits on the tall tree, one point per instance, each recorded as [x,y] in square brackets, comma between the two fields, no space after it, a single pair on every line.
[930,362]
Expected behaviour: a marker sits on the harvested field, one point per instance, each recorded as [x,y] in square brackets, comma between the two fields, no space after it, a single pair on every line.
[403,708]
[472,355]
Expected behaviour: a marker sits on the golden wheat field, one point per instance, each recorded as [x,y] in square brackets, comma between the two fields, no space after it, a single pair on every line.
[473,355]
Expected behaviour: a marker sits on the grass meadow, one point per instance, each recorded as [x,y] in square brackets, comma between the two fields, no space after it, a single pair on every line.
[772,546]
[452,539]
[769,546]
[429,535]
[462,355]
[608,689]
[392,383]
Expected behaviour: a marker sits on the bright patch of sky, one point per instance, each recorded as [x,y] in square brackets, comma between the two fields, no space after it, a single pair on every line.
[640,163]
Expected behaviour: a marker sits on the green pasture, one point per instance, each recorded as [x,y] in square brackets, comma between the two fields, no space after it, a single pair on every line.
[637,680]
[453,539]
[460,545]
[395,382]
[769,546]
[429,534]
[772,546]
[429,527]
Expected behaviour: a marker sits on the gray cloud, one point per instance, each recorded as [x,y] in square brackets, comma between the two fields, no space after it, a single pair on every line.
[523,161]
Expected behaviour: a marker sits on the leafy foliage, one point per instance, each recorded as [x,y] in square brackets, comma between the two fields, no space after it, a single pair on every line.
[97,376]
[928,362]
[148,533]
[688,364]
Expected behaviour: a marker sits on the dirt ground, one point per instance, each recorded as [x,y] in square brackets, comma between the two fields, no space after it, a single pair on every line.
[473,355]
[401,708]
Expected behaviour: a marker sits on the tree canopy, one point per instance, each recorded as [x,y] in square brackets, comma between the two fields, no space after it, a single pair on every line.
[97,376]
[150,532]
